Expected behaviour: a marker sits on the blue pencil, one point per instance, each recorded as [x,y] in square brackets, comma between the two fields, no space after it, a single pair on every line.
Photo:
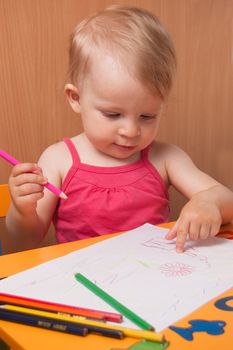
[42,322]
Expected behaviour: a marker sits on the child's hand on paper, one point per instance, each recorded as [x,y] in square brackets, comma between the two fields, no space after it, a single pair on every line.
[26,186]
[199,219]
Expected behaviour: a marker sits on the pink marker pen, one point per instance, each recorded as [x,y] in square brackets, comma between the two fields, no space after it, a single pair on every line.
[49,186]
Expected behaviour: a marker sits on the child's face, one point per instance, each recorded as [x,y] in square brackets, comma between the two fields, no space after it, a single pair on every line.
[120,115]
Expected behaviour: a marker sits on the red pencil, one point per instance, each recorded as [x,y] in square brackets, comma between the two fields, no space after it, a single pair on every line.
[55,307]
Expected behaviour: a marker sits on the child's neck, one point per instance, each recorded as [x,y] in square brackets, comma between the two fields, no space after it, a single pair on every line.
[90,155]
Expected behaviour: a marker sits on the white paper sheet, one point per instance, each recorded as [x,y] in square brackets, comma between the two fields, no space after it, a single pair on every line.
[140,269]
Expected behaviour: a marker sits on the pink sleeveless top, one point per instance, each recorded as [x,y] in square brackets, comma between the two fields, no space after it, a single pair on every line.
[104,200]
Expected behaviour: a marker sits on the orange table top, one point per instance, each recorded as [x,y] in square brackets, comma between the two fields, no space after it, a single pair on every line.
[214,319]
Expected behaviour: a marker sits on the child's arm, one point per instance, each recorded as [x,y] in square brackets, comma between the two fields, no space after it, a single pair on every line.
[32,206]
[210,203]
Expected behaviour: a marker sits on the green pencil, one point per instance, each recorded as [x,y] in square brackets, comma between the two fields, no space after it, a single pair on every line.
[113,302]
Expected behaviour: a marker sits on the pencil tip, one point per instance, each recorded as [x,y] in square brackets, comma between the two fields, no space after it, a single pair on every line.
[63,195]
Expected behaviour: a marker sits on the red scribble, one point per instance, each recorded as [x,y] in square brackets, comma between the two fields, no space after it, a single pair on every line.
[176,269]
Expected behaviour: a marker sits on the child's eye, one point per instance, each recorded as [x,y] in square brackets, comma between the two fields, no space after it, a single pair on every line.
[148,117]
[111,115]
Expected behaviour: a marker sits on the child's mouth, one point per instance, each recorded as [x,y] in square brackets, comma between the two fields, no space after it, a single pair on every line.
[125,148]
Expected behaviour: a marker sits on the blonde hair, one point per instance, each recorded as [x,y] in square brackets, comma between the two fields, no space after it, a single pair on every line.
[133,35]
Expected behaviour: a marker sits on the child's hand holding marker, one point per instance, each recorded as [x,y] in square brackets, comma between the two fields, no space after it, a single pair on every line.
[26,186]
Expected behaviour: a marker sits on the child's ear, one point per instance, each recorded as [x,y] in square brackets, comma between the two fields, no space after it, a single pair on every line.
[73,97]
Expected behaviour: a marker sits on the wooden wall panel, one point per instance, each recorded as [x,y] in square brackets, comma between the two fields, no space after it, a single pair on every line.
[33,61]
[200,113]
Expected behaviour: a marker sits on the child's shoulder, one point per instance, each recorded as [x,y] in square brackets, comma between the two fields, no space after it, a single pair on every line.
[56,157]
[165,151]
[167,157]
[55,150]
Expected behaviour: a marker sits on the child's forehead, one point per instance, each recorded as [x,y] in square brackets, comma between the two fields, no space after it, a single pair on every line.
[106,68]
[112,76]
[109,80]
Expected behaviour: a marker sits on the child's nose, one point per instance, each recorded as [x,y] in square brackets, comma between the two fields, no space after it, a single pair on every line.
[129,129]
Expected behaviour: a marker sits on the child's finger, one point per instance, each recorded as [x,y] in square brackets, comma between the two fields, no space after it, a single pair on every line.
[204,231]
[25,168]
[180,241]
[29,199]
[172,232]
[215,229]
[194,230]
[182,233]
[28,178]
[29,188]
